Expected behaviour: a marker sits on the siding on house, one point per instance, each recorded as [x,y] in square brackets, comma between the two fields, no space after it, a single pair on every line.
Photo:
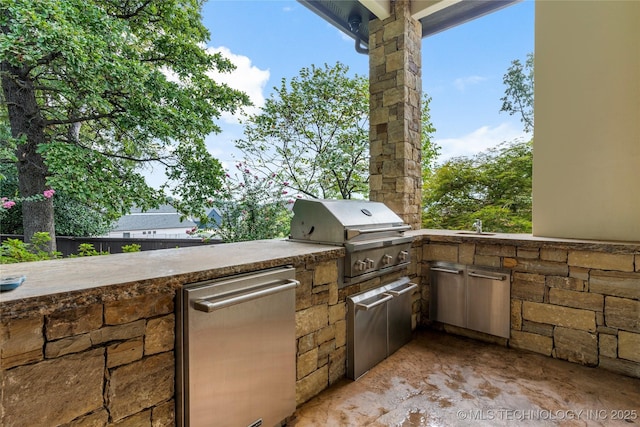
[163,222]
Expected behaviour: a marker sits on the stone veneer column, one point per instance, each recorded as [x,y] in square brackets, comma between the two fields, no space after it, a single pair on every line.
[395,88]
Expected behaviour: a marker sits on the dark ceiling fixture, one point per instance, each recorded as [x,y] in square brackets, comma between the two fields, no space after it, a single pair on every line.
[352,17]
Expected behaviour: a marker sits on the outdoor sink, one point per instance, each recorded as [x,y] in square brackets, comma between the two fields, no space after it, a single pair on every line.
[474,233]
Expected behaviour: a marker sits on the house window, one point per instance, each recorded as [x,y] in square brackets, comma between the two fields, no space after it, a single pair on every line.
[144,232]
[126,235]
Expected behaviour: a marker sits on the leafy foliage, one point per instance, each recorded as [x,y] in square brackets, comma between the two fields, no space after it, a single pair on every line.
[87,249]
[518,96]
[494,187]
[95,89]
[15,250]
[72,217]
[430,150]
[134,247]
[313,133]
[250,207]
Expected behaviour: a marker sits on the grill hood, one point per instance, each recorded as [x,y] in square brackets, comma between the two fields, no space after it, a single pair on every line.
[340,221]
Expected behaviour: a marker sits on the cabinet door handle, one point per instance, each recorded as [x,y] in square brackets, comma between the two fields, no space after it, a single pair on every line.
[208,306]
[366,307]
[409,288]
[487,276]
[446,270]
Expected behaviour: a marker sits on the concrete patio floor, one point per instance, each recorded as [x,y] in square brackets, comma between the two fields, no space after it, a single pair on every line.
[444,380]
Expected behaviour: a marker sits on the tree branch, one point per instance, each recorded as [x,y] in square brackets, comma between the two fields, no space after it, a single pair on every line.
[135,12]
[82,119]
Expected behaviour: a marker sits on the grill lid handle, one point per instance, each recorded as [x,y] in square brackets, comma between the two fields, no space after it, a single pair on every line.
[354,232]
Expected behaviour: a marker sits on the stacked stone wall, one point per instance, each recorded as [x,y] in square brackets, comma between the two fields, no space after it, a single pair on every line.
[567,302]
[321,321]
[395,87]
[108,358]
[108,363]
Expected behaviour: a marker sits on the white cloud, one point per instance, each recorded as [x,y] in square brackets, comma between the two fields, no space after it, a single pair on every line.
[246,77]
[477,141]
[462,82]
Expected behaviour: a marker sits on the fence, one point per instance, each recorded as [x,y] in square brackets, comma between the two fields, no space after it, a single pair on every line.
[69,245]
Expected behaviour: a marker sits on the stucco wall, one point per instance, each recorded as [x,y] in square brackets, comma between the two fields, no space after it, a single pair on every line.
[587,120]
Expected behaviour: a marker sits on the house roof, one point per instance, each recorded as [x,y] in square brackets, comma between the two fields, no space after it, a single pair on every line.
[352,16]
[165,217]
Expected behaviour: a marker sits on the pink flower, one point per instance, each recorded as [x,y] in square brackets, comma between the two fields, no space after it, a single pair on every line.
[284,192]
[8,204]
[285,183]
[49,193]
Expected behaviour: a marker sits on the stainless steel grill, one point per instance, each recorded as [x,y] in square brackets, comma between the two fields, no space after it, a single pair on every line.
[372,234]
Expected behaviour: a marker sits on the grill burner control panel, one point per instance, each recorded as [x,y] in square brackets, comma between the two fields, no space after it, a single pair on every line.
[372,260]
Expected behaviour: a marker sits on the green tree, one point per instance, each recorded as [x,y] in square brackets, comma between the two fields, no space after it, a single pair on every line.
[494,186]
[250,207]
[518,96]
[94,89]
[430,150]
[313,133]
[72,218]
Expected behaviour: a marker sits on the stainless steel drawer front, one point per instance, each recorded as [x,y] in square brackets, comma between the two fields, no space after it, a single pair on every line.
[471,297]
[238,352]
[378,323]
[488,302]
[448,295]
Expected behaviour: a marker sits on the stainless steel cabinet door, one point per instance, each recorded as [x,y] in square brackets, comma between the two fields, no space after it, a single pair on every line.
[240,351]
[366,332]
[400,311]
[488,302]
[448,294]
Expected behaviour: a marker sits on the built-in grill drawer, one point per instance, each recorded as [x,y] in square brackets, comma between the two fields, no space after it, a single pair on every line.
[378,324]
[236,350]
[471,297]
[448,294]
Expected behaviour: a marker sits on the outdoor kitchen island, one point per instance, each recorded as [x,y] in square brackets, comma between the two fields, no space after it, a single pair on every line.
[90,341]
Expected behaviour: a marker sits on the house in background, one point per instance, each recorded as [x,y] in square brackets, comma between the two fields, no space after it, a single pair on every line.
[161,223]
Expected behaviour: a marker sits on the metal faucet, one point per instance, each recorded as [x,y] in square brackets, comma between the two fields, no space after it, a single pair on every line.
[477,226]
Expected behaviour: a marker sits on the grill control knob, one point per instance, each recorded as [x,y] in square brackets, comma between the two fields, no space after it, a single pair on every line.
[403,256]
[387,259]
[360,265]
[370,263]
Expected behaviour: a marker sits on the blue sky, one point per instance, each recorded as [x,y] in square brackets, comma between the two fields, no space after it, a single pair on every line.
[462,68]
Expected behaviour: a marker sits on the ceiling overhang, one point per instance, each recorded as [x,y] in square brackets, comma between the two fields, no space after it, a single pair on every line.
[434,15]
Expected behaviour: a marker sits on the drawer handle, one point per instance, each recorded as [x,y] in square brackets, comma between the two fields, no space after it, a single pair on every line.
[367,307]
[446,270]
[487,276]
[409,288]
[209,306]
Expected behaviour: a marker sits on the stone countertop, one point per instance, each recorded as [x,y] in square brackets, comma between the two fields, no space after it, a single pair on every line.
[522,239]
[101,278]
[72,281]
